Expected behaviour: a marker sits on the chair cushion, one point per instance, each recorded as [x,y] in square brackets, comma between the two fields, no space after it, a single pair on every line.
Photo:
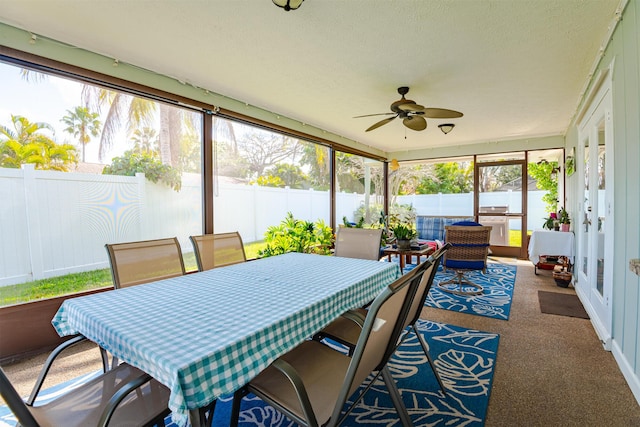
[432,227]
[466,223]
[464,265]
[429,228]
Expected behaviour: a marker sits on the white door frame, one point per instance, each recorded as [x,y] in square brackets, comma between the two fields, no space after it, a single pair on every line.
[598,305]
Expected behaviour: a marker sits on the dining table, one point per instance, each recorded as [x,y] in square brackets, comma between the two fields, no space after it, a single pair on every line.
[205,335]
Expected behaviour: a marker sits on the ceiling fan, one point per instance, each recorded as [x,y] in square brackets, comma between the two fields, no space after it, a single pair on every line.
[412,114]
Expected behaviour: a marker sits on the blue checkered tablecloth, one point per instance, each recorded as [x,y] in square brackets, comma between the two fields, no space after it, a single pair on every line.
[207,334]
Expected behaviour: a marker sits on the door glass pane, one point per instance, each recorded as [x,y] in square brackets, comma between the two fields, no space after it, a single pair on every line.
[500,193]
[601,207]
[586,210]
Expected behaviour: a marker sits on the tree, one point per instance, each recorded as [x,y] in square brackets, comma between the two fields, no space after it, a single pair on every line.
[316,157]
[546,181]
[145,140]
[132,162]
[448,178]
[26,144]
[82,124]
[284,174]
[138,112]
[257,151]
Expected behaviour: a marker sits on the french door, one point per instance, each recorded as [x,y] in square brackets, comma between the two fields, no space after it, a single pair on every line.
[594,227]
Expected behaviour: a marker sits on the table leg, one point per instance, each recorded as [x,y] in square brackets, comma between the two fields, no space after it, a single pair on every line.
[196,417]
[201,417]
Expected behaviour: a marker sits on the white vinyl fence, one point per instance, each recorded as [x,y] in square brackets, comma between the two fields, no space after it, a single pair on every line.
[56,223]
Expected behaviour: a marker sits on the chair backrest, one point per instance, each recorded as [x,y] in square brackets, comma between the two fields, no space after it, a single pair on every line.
[15,402]
[380,333]
[469,246]
[361,243]
[217,250]
[134,263]
[413,314]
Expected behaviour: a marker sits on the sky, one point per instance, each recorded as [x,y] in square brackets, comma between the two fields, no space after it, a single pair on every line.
[42,101]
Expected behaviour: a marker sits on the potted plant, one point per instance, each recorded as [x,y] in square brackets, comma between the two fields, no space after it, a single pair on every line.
[564,220]
[551,223]
[403,234]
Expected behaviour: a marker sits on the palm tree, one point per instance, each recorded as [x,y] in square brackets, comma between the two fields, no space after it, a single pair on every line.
[82,124]
[145,140]
[138,112]
[25,144]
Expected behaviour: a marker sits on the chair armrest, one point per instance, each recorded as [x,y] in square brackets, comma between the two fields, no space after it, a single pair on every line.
[355,316]
[47,365]
[301,392]
[119,396]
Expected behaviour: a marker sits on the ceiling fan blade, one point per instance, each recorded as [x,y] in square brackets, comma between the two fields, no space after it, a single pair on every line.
[377,114]
[411,107]
[441,113]
[380,123]
[415,122]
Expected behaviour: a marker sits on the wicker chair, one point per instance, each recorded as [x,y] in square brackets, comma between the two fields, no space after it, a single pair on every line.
[469,250]
[217,250]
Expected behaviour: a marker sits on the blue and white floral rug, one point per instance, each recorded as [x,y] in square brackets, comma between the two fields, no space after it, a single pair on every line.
[495,300]
[464,358]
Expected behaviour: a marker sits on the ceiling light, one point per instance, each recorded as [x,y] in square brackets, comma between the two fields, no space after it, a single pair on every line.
[288,4]
[394,165]
[446,127]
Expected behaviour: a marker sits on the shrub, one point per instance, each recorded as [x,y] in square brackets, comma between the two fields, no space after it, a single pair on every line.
[294,235]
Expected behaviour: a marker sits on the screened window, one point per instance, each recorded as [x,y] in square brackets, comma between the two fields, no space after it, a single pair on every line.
[81,166]
[261,176]
[359,190]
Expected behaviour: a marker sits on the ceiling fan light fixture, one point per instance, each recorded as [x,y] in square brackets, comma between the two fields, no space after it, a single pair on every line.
[446,127]
[288,4]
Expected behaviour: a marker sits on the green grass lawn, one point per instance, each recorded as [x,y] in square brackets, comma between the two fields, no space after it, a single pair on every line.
[78,282]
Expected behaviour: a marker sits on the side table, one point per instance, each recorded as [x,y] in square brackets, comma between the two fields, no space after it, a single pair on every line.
[551,243]
[407,254]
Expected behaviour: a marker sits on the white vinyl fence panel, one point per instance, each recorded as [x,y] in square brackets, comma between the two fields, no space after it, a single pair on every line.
[56,223]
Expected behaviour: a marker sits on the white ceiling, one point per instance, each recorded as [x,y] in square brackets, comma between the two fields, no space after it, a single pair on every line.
[515,68]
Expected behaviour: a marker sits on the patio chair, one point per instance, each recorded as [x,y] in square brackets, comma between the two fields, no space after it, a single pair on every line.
[312,383]
[134,263]
[122,396]
[217,250]
[347,328]
[469,251]
[361,243]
